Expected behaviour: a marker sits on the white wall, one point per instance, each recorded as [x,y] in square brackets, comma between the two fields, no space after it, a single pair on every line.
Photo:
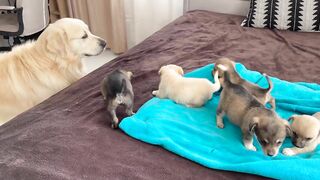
[144,17]
[239,7]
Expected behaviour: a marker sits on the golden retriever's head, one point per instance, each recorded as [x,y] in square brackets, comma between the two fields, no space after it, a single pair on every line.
[171,67]
[70,36]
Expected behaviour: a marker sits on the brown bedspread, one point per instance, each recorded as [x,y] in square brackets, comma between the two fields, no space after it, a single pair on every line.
[68,135]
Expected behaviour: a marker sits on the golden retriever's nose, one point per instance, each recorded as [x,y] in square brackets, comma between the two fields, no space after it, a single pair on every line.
[102,43]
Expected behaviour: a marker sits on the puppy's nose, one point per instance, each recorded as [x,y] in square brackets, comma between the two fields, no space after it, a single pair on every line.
[299,145]
[102,43]
[295,143]
[271,153]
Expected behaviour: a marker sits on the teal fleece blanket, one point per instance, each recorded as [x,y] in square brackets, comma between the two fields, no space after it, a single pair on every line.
[192,132]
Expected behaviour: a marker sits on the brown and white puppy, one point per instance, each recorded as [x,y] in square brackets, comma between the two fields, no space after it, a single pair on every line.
[305,134]
[191,92]
[251,116]
[262,95]
[116,89]
[36,70]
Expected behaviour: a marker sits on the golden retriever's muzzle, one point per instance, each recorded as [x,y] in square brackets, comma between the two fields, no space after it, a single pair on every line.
[102,43]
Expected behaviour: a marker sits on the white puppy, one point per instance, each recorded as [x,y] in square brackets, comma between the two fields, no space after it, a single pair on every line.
[305,134]
[192,92]
[36,70]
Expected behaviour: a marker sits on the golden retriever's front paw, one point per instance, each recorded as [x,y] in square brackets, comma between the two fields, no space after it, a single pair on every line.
[288,152]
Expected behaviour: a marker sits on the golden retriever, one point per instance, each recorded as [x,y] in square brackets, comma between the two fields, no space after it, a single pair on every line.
[191,92]
[36,70]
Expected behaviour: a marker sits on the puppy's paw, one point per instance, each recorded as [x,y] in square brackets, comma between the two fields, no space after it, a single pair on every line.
[114,124]
[220,125]
[190,106]
[130,113]
[288,152]
[250,147]
[155,93]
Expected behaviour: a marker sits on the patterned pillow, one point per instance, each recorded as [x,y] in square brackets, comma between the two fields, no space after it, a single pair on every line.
[294,15]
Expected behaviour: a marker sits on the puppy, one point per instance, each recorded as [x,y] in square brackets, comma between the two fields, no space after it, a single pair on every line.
[191,92]
[262,95]
[36,70]
[305,134]
[116,89]
[251,116]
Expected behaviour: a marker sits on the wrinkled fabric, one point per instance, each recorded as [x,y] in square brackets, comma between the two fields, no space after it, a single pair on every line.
[68,136]
[192,132]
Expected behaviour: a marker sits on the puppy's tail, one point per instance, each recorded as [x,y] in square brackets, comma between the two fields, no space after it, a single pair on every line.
[216,86]
[270,87]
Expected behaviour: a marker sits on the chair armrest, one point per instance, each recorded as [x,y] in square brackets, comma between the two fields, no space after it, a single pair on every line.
[7,8]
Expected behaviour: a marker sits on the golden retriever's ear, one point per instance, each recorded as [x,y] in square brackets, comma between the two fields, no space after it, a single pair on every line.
[180,71]
[56,41]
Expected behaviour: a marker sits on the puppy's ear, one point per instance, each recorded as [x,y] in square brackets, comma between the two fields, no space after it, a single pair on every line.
[292,118]
[180,71]
[253,124]
[288,127]
[222,67]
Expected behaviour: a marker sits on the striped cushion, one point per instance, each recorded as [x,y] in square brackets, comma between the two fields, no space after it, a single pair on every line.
[294,15]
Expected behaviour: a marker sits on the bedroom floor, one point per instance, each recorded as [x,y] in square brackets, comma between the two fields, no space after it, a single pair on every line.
[94,62]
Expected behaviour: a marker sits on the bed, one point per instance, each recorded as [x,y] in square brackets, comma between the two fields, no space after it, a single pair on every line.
[68,136]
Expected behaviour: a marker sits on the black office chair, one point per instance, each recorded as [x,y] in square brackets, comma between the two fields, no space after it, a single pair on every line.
[20,19]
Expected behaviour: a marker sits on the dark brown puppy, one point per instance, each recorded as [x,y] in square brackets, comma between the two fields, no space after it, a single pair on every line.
[116,89]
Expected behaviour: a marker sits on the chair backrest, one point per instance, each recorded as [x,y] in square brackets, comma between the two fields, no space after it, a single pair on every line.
[35,15]
[7,2]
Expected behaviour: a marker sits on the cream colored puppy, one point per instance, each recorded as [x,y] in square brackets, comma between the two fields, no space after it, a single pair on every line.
[34,71]
[192,92]
[305,134]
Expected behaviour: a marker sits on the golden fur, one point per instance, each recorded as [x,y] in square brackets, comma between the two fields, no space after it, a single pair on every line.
[36,70]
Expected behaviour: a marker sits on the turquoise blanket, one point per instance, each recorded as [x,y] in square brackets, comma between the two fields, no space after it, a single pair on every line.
[192,132]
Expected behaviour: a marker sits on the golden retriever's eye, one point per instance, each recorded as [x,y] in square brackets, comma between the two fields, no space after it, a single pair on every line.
[84,36]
